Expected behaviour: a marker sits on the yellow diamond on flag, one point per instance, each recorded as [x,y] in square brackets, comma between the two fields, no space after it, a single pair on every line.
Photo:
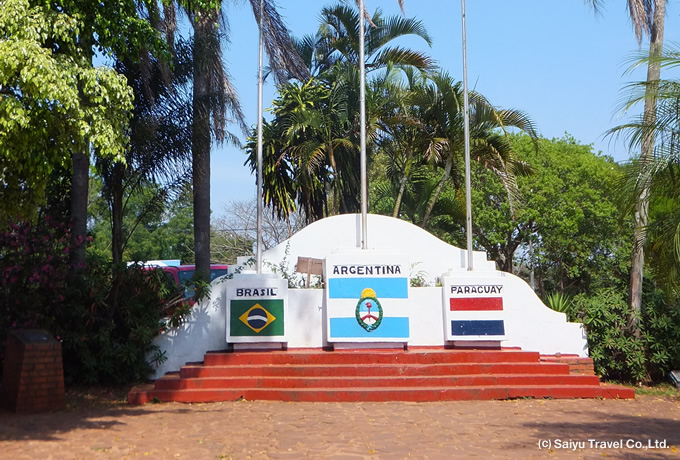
[257,318]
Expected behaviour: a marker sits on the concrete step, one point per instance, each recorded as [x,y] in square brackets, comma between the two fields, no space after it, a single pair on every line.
[354,394]
[372,356]
[417,382]
[377,375]
[369,370]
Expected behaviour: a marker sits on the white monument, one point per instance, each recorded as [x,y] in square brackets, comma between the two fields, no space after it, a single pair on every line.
[484,307]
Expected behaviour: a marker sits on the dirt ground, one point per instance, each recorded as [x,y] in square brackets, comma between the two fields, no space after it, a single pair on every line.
[645,428]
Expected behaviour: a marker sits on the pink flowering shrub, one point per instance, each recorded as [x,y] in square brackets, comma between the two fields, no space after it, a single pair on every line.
[106,317]
[33,272]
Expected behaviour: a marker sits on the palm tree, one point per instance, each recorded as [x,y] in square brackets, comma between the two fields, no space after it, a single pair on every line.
[160,138]
[318,118]
[337,42]
[489,127]
[660,173]
[648,18]
[299,159]
[214,99]
[403,125]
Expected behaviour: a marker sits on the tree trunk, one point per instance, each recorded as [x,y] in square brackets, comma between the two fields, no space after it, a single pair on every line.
[400,196]
[117,214]
[646,155]
[80,183]
[116,236]
[79,193]
[437,192]
[200,144]
[402,188]
[341,204]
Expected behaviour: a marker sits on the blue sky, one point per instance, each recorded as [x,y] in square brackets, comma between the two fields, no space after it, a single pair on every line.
[554,59]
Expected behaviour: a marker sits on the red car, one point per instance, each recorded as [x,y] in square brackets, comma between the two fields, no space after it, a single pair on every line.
[183,274]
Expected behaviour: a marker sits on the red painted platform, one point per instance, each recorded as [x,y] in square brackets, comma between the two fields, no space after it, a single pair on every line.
[434,374]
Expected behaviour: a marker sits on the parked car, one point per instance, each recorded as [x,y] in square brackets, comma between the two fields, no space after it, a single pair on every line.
[182,275]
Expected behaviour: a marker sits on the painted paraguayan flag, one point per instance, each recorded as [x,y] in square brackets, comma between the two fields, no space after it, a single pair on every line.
[474,308]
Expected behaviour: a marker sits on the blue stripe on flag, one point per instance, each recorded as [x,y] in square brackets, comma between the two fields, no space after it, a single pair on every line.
[392,327]
[478,327]
[385,288]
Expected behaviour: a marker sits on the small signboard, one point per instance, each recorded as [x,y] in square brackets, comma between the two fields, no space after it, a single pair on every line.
[256,309]
[473,308]
[367,297]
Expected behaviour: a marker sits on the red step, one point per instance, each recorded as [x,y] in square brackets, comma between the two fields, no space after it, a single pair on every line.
[391,394]
[375,375]
[373,382]
[311,357]
[367,370]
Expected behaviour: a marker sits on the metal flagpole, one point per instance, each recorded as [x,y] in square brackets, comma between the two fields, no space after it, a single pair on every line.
[362,103]
[466,105]
[259,145]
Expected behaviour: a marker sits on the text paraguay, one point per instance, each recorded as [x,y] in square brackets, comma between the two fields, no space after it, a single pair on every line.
[480,289]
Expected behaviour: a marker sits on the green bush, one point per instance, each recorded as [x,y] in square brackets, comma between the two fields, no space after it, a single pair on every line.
[559,301]
[661,326]
[113,315]
[106,317]
[34,271]
[617,353]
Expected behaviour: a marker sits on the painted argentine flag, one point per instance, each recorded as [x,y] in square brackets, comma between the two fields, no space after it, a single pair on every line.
[367,298]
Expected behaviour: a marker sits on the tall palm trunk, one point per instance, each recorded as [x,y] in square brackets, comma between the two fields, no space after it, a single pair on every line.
[402,186]
[400,196]
[342,204]
[200,143]
[433,199]
[646,155]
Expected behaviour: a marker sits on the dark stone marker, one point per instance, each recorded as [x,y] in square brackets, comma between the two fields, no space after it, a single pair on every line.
[33,379]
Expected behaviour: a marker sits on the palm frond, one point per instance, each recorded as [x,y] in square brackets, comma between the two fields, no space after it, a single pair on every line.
[402,57]
[284,59]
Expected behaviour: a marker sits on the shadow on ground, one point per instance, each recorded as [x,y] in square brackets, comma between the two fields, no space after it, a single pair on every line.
[638,436]
[86,408]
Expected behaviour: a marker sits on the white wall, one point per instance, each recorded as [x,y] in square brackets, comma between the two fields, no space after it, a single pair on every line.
[529,324]
[205,330]
[427,253]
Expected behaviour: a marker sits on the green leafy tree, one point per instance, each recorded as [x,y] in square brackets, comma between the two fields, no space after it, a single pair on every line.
[154,229]
[54,103]
[567,229]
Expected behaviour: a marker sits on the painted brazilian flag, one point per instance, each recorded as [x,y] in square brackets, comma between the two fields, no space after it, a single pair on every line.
[253,317]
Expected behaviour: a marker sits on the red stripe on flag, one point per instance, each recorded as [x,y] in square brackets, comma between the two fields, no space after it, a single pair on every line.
[477,304]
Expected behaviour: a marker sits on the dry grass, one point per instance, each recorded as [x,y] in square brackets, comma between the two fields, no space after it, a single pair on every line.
[90,397]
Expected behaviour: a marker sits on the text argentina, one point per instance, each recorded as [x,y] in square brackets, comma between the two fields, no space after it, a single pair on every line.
[479,289]
[366,269]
